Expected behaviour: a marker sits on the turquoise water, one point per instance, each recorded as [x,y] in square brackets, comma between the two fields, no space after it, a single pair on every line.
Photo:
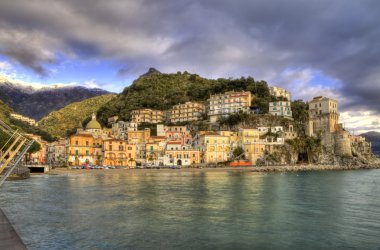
[197,210]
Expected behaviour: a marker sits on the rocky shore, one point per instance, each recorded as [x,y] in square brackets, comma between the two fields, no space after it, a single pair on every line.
[261,169]
[295,168]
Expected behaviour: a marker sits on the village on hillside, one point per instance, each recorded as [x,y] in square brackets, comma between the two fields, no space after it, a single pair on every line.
[132,143]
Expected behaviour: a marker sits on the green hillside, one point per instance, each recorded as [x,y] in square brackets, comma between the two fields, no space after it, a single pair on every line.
[58,122]
[5,112]
[161,91]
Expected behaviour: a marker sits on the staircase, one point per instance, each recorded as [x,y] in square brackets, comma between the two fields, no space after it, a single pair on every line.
[13,150]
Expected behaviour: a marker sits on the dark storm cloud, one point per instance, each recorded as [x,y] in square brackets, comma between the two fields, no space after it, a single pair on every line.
[210,37]
[26,58]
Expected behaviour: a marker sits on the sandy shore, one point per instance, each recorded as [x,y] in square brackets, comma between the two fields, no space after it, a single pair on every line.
[295,168]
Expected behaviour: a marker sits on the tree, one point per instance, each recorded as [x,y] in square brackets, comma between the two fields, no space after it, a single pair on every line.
[300,112]
[34,148]
[238,151]
[306,146]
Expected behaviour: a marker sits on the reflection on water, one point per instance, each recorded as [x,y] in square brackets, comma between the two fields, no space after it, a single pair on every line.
[197,210]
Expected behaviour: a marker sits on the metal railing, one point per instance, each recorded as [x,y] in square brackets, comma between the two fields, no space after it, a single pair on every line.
[13,150]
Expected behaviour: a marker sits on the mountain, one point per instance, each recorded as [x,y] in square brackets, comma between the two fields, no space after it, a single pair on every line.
[58,122]
[374,138]
[161,91]
[36,102]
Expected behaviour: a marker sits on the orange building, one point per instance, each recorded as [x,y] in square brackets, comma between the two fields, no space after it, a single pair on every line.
[84,148]
[119,153]
[175,133]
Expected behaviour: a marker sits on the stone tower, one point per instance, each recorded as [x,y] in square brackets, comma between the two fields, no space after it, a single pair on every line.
[323,116]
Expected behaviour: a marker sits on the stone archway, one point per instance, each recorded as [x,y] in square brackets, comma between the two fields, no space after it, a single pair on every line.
[179,162]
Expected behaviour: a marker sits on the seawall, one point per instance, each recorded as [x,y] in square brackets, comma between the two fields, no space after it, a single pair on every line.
[9,239]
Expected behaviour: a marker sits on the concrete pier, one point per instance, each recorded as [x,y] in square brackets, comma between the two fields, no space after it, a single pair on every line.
[9,239]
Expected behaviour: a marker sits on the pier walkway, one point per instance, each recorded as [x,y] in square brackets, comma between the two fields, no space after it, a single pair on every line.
[9,239]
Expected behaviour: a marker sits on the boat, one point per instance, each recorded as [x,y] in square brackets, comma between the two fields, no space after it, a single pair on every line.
[240,163]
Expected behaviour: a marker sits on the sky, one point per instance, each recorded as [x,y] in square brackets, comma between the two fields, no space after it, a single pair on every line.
[311,48]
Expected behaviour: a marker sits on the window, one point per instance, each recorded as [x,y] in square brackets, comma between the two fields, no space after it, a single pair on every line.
[87,152]
[87,143]
[110,147]
[76,152]
[76,143]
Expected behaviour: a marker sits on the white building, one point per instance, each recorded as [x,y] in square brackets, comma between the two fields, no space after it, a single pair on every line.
[222,105]
[56,153]
[189,111]
[281,108]
[28,120]
[274,129]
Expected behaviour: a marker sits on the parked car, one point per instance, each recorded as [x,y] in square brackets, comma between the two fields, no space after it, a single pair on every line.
[211,165]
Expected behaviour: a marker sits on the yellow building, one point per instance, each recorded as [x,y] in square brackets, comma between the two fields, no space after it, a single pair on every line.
[119,153]
[84,148]
[222,105]
[248,135]
[147,116]
[234,138]
[139,136]
[254,151]
[215,147]
[189,111]
[280,92]
[323,115]
[249,140]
